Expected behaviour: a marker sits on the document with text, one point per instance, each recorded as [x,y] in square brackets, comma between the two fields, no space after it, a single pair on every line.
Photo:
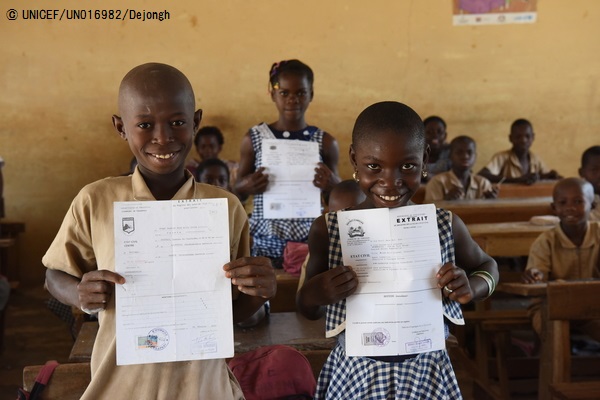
[176,302]
[397,308]
[291,168]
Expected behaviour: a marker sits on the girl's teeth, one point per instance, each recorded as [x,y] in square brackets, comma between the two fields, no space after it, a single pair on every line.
[390,198]
[164,156]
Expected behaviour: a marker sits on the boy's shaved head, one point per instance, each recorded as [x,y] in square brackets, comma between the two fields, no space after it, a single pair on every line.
[389,116]
[156,80]
[586,188]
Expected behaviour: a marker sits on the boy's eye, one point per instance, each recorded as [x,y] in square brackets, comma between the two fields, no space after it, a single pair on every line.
[143,125]
[177,123]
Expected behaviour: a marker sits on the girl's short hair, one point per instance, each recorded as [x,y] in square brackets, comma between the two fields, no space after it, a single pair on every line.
[294,66]
[434,118]
[211,162]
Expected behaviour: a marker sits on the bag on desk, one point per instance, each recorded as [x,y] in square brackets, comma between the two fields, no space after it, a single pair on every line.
[274,372]
[294,255]
[41,381]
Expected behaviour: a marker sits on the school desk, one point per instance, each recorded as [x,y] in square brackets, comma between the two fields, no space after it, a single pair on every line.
[9,232]
[538,189]
[84,343]
[506,239]
[498,210]
[562,297]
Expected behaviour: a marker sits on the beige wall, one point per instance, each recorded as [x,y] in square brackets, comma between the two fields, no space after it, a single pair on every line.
[58,82]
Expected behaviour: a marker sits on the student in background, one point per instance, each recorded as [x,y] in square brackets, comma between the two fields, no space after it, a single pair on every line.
[519,164]
[213,171]
[209,142]
[158,121]
[439,150]
[570,250]
[460,183]
[388,153]
[291,89]
[590,171]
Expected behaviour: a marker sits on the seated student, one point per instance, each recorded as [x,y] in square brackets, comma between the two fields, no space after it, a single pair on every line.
[570,250]
[209,142]
[158,121]
[590,171]
[343,195]
[213,171]
[519,164]
[459,182]
[439,154]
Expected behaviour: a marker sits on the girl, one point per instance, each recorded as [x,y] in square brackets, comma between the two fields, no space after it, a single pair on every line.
[388,153]
[291,89]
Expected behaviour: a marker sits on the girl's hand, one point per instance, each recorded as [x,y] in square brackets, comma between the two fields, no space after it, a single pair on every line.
[96,288]
[253,183]
[325,179]
[454,283]
[253,276]
[332,285]
[532,275]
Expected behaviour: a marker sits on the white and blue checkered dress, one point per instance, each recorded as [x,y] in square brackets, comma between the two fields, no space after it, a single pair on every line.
[427,376]
[270,235]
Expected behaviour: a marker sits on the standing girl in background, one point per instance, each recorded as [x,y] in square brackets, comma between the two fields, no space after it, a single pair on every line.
[291,89]
[388,153]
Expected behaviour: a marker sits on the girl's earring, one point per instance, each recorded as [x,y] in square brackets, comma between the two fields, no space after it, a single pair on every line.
[424,173]
[355,176]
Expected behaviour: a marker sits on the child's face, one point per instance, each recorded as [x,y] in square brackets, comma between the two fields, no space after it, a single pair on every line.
[342,200]
[435,135]
[521,137]
[571,205]
[208,147]
[159,127]
[462,156]
[389,166]
[216,176]
[293,96]
[591,172]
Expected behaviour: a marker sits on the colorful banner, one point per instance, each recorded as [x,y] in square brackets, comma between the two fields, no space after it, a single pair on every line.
[494,12]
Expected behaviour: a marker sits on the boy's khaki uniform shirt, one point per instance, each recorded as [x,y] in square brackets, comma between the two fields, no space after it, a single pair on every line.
[595,213]
[558,258]
[85,242]
[507,164]
[441,184]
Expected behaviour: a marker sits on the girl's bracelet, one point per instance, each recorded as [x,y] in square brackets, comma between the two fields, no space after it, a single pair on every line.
[489,279]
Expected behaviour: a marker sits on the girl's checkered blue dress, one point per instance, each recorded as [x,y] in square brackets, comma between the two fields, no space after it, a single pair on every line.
[427,376]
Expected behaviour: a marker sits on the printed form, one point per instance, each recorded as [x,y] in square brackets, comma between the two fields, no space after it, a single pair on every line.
[397,308]
[291,168]
[176,302]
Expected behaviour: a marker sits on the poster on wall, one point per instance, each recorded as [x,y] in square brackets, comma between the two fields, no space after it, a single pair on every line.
[494,12]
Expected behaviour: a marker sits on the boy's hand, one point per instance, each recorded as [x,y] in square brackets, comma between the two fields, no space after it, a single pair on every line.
[529,178]
[253,183]
[552,175]
[253,276]
[96,288]
[455,193]
[332,285]
[492,194]
[324,178]
[532,275]
[454,283]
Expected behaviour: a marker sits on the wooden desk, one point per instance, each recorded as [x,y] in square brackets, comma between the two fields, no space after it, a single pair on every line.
[539,189]
[506,239]
[498,210]
[9,231]
[288,328]
[82,348]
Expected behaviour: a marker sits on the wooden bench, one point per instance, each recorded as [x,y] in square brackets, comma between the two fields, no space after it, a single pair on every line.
[285,299]
[68,382]
[498,210]
[506,239]
[84,343]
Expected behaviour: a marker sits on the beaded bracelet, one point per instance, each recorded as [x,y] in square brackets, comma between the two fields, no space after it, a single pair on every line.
[489,279]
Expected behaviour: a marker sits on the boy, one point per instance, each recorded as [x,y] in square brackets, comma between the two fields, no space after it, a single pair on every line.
[439,149]
[518,165]
[571,249]
[590,171]
[157,119]
[213,171]
[459,182]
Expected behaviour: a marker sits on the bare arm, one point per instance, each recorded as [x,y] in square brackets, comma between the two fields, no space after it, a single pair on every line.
[469,258]
[249,181]
[326,173]
[322,285]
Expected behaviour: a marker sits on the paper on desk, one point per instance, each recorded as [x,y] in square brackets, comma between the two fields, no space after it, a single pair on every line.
[397,308]
[176,303]
[291,168]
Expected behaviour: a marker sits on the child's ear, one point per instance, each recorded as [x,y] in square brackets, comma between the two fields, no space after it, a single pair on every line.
[352,155]
[197,119]
[553,207]
[593,205]
[118,124]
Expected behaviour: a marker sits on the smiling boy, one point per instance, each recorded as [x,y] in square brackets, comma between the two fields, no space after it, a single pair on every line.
[158,121]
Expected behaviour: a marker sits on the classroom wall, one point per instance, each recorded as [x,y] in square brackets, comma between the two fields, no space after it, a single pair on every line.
[59,82]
